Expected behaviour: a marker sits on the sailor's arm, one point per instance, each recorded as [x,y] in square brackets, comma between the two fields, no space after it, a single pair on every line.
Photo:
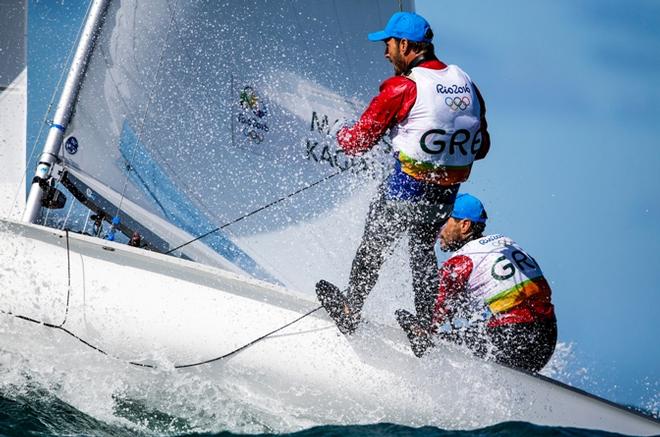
[485,136]
[454,276]
[397,96]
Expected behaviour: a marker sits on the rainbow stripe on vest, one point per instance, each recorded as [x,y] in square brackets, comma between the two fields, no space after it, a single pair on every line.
[514,296]
[432,173]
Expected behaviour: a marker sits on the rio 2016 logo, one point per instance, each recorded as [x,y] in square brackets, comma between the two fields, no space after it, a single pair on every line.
[252,119]
[453,89]
[250,101]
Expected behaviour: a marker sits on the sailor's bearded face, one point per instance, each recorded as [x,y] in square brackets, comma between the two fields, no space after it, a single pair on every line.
[394,55]
[452,235]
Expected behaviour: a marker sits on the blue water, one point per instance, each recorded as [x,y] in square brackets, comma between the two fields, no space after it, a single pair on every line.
[40,414]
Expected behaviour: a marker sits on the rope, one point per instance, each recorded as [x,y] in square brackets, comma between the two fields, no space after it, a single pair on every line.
[151,366]
[247,345]
[68,277]
[146,110]
[275,202]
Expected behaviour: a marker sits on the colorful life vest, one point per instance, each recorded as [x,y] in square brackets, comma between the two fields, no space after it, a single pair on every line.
[439,139]
[503,275]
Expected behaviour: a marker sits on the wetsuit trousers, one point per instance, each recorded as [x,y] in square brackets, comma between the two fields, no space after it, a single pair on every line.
[524,345]
[527,346]
[389,219]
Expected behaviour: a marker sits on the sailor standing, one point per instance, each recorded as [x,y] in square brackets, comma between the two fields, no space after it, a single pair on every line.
[493,297]
[436,118]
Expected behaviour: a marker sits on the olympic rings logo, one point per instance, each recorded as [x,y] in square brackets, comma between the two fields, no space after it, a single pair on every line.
[457,103]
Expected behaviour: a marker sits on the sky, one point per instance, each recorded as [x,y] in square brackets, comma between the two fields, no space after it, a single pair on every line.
[572,90]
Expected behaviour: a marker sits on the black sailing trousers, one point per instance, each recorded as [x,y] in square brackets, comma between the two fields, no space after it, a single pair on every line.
[527,346]
[388,219]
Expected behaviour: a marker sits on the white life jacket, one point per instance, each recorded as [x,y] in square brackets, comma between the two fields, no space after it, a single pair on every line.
[439,139]
[503,274]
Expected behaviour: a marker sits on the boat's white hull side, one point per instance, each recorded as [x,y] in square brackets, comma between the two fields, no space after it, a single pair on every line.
[154,310]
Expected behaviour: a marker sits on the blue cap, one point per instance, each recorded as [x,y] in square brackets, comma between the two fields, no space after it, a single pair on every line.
[116,220]
[406,25]
[469,207]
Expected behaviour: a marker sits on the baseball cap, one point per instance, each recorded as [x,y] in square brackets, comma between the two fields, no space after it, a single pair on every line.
[406,25]
[469,207]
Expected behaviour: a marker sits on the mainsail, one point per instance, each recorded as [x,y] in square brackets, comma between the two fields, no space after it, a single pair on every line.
[201,113]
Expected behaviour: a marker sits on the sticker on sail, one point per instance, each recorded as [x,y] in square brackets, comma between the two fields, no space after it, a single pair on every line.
[253,115]
[71,145]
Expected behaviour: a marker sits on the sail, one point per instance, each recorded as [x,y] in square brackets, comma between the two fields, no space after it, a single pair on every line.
[13,105]
[213,115]
[159,232]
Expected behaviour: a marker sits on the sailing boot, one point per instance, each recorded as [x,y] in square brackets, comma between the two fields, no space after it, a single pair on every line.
[418,336]
[336,304]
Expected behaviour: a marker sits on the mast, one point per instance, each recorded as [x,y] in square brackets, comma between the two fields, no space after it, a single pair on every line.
[65,106]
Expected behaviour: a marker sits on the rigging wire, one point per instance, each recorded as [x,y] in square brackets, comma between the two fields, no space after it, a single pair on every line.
[186,188]
[66,219]
[148,106]
[45,120]
[262,208]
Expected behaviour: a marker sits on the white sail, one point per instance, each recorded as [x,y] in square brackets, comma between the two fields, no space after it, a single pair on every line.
[13,106]
[203,112]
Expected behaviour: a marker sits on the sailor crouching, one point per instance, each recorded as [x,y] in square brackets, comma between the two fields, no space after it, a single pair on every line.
[493,297]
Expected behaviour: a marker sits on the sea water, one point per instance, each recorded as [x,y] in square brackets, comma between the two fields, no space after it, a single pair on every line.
[38,413]
[47,392]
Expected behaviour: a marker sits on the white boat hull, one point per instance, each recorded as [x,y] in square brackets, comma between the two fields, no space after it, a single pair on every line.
[160,315]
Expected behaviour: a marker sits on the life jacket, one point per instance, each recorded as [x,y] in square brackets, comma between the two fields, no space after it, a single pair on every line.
[439,139]
[506,284]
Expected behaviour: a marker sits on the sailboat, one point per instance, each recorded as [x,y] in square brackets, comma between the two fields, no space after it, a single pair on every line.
[203,127]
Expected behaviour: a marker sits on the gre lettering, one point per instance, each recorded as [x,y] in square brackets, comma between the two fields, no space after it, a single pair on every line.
[523,261]
[435,142]
[503,268]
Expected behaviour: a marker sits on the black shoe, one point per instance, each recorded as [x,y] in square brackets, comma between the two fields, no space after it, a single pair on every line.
[418,335]
[336,304]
